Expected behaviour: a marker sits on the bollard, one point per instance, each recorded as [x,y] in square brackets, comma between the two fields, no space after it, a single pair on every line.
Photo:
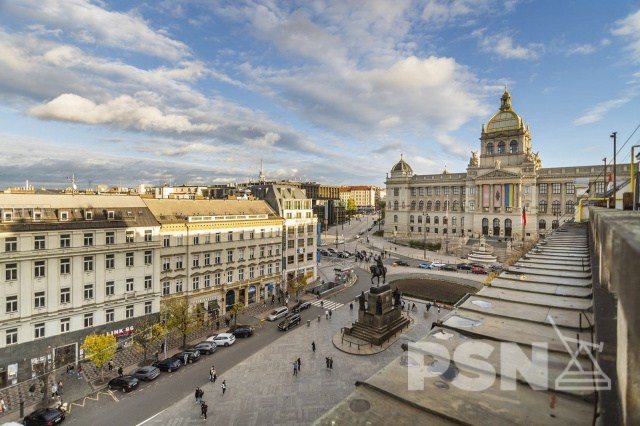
[318,318]
[21,409]
[308,323]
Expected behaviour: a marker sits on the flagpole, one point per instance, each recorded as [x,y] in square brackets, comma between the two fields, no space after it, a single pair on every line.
[524,222]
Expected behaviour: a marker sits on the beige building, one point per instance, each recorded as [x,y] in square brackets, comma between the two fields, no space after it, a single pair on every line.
[503,177]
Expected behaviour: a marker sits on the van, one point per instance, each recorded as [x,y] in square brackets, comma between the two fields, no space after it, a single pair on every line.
[278,313]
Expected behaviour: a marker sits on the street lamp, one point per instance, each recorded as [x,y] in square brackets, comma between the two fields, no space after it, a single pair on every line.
[424,236]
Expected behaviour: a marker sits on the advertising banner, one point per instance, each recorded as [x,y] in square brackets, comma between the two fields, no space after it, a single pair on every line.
[486,195]
[497,195]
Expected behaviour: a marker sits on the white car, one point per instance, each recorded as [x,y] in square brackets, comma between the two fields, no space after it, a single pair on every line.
[437,264]
[278,313]
[224,339]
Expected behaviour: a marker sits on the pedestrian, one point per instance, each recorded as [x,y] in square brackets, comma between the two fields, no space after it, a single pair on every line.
[264,303]
[330,363]
[197,394]
[60,388]
[200,396]
[120,373]
[413,306]
[32,390]
[313,346]
[438,308]
[327,359]
[299,365]
[326,314]
[217,324]
[295,368]
[186,358]
[68,368]
[215,376]
[428,306]
[211,374]
[110,365]
[54,390]
[330,310]
[273,298]
[79,372]
[203,409]
[162,347]
[2,406]
[224,386]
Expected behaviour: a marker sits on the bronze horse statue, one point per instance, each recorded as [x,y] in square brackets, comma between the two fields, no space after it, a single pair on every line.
[377,271]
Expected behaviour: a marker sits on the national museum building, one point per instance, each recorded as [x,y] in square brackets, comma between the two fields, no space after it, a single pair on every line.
[489,198]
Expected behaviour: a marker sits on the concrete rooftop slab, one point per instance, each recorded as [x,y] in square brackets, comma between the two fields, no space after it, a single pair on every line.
[561,290]
[547,279]
[536,299]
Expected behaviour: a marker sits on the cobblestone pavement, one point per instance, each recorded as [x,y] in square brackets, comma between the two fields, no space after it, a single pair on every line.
[262,390]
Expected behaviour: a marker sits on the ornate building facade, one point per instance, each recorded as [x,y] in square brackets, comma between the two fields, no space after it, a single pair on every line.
[503,177]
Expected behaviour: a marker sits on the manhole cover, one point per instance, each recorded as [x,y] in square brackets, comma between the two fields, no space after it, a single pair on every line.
[359,405]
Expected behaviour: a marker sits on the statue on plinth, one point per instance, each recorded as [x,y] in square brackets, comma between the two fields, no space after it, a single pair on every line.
[361,299]
[379,305]
[396,297]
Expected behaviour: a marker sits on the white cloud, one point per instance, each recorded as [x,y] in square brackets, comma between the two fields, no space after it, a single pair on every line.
[442,12]
[503,46]
[91,24]
[585,49]
[629,28]
[263,142]
[597,112]
[186,149]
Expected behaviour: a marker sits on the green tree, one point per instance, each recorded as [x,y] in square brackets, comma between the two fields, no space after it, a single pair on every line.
[352,209]
[149,332]
[237,309]
[99,349]
[297,284]
[182,319]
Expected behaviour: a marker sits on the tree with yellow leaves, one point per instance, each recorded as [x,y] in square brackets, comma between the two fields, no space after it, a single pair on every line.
[99,349]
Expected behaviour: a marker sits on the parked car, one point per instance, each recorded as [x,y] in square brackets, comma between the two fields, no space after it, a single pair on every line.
[361,233]
[168,364]
[301,306]
[225,339]
[206,347]
[325,252]
[278,313]
[332,250]
[437,264]
[147,373]
[125,383]
[212,338]
[196,353]
[464,266]
[402,263]
[478,270]
[321,244]
[348,253]
[44,416]
[447,267]
[288,322]
[425,266]
[496,268]
[241,330]
[342,255]
[191,356]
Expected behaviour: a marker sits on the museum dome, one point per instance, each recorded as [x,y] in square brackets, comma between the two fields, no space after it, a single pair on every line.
[402,166]
[506,118]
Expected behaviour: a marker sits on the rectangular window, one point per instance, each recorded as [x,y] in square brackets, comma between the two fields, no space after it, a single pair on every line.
[570,188]
[38,330]
[39,269]
[300,242]
[216,257]
[65,295]
[196,261]
[129,237]
[456,190]
[218,237]
[65,325]
[240,254]
[39,300]
[277,267]
[11,244]
[11,271]
[65,240]
[262,232]
[129,311]
[270,268]
[129,284]
[88,263]
[437,190]
[261,270]
[166,288]
[109,315]
[195,283]
[148,257]
[261,251]
[128,259]
[179,261]
[166,264]
[542,188]
[148,235]
[88,239]
[180,240]
[446,190]
[527,189]
[207,281]
[229,277]
[216,278]
[555,188]
[429,191]
[252,272]
[147,308]
[291,244]
[88,215]
[196,240]
[207,259]
[110,288]
[88,291]
[178,286]
[251,235]
[309,241]
[12,304]
[110,238]
[230,256]
[252,253]
[166,241]
[278,250]
[148,282]
[240,274]
[111,215]
[39,242]
[110,261]
[88,320]
[241,235]
[230,236]
[12,336]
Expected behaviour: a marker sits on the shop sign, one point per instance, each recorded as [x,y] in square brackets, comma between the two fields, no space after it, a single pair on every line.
[120,331]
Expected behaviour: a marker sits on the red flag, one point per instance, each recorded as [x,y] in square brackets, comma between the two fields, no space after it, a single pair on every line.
[610,184]
[524,216]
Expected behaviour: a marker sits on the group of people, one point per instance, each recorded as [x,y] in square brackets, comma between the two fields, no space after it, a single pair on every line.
[71,369]
[297,366]
[203,405]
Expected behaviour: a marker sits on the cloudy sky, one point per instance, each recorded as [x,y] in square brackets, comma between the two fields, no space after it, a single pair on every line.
[198,92]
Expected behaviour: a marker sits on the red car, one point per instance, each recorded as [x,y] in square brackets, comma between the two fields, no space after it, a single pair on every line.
[478,270]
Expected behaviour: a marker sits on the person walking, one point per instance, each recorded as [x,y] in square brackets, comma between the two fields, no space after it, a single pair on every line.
[327,359]
[79,372]
[299,365]
[155,356]
[203,409]
[313,346]
[326,314]
[32,390]
[217,324]
[110,365]
[120,373]
[200,396]
[197,394]
[224,386]
[438,308]
[295,368]
[3,407]
[54,390]
[211,373]
[60,388]
[330,310]
[330,363]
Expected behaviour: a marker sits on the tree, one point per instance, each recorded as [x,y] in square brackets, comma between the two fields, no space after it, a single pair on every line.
[99,349]
[183,319]
[297,284]
[352,209]
[148,333]
[238,308]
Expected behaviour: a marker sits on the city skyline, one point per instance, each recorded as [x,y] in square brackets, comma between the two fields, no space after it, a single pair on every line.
[192,93]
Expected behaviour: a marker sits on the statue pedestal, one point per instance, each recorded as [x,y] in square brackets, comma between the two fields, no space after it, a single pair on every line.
[380,320]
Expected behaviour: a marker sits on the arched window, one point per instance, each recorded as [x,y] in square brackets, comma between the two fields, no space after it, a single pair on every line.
[555,207]
[421,205]
[438,205]
[542,224]
[419,218]
[411,219]
[445,206]
[462,221]
[485,222]
[490,148]
[436,220]
[570,207]
[454,221]
[496,223]
[429,205]
[501,147]
[507,223]
[542,206]
[427,219]
[513,147]
[395,218]
[395,205]
[413,205]
[455,205]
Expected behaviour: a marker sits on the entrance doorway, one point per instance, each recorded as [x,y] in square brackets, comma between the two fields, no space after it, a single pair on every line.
[496,227]
[485,226]
[64,355]
[230,299]
[507,228]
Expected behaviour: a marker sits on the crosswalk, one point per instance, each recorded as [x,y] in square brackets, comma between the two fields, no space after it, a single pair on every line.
[327,304]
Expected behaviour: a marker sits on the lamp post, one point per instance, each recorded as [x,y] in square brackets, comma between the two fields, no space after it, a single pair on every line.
[613,135]
[604,183]
[424,236]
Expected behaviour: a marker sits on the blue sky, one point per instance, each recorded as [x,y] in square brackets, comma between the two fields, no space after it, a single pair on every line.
[198,92]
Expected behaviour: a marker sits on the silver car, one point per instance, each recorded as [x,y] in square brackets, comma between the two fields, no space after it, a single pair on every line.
[206,347]
[147,373]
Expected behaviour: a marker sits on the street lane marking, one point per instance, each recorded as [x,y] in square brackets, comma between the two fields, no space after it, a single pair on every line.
[327,304]
[151,418]
[91,398]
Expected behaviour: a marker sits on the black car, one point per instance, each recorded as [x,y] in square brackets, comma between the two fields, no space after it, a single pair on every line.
[241,330]
[290,321]
[301,306]
[464,266]
[402,263]
[192,356]
[124,383]
[449,268]
[168,364]
[44,416]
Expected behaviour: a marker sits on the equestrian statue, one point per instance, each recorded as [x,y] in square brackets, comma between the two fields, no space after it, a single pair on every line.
[378,270]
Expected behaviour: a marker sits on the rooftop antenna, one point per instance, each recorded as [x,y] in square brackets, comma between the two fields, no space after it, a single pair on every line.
[72,179]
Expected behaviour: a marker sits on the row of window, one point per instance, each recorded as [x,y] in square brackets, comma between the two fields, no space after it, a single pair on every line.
[291,243]
[300,228]
[65,323]
[301,256]
[39,297]
[502,147]
[64,240]
[436,220]
[569,207]
[168,240]
[298,215]
[455,206]
[217,257]
[297,205]
[205,281]
[556,188]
